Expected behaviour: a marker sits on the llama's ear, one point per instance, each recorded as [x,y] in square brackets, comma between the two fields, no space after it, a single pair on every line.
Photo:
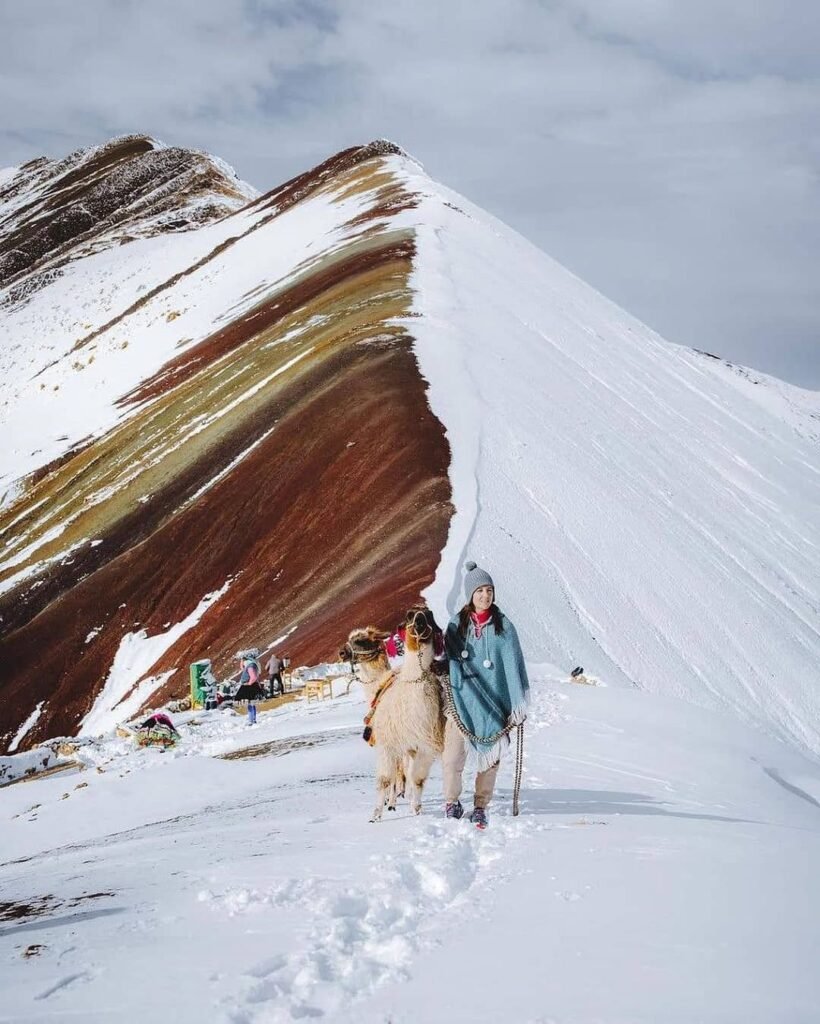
[377,634]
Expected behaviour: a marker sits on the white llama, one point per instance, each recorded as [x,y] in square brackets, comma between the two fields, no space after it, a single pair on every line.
[407,721]
[365,650]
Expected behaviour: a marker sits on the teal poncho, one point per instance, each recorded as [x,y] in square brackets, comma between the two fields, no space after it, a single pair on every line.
[487,698]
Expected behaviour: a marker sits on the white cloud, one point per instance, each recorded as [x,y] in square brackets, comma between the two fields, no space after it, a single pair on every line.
[666,152]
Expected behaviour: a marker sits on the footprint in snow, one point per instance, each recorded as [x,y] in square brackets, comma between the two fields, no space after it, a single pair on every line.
[365,936]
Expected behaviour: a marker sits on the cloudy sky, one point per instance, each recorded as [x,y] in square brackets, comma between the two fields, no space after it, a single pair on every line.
[667,151]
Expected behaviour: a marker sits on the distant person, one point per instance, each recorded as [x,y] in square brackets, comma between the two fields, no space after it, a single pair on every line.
[489,690]
[276,687]
[250,688]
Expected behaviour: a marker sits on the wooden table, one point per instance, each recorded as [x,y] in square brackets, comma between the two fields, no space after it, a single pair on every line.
[318,689]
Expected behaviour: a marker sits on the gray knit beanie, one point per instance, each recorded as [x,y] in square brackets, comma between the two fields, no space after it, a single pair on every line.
[475,578]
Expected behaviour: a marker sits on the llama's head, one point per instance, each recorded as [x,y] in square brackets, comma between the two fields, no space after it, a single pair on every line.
[420,628]
[365,647]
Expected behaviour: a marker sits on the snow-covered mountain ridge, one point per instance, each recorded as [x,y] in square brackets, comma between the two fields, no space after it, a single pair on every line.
[52,211]
[650,511]
[646,510]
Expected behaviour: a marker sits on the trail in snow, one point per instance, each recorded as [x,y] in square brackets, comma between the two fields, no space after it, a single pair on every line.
[666,851]
[367,935]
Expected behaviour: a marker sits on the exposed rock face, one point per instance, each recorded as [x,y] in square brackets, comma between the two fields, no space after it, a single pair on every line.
[130,186]
[289,452]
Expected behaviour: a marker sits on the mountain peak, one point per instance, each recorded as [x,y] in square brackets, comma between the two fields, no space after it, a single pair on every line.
[131,186]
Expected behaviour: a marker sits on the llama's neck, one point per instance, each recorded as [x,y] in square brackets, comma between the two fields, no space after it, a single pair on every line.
[416,662]
[371,674]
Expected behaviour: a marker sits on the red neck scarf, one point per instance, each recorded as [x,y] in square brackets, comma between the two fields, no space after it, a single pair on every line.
[480,620]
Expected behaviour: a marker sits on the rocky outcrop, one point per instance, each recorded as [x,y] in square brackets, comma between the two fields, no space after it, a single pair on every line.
[129,187]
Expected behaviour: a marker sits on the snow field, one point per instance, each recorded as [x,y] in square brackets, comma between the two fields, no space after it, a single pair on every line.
[662,869]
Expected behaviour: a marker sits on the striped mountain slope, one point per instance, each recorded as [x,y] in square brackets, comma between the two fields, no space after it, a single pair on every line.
[271,442]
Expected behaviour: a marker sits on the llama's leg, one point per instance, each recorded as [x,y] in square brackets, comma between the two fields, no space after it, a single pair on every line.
[385,773]
[421,765]
[396,786]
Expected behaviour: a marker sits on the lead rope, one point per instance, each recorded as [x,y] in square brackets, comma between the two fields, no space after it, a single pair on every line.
[519,751]
[519,767]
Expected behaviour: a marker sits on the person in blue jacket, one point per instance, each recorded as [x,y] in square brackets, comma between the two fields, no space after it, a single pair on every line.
[487,694]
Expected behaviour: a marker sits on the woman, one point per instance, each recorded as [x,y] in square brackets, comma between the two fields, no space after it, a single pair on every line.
[249,686]
[487,693]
